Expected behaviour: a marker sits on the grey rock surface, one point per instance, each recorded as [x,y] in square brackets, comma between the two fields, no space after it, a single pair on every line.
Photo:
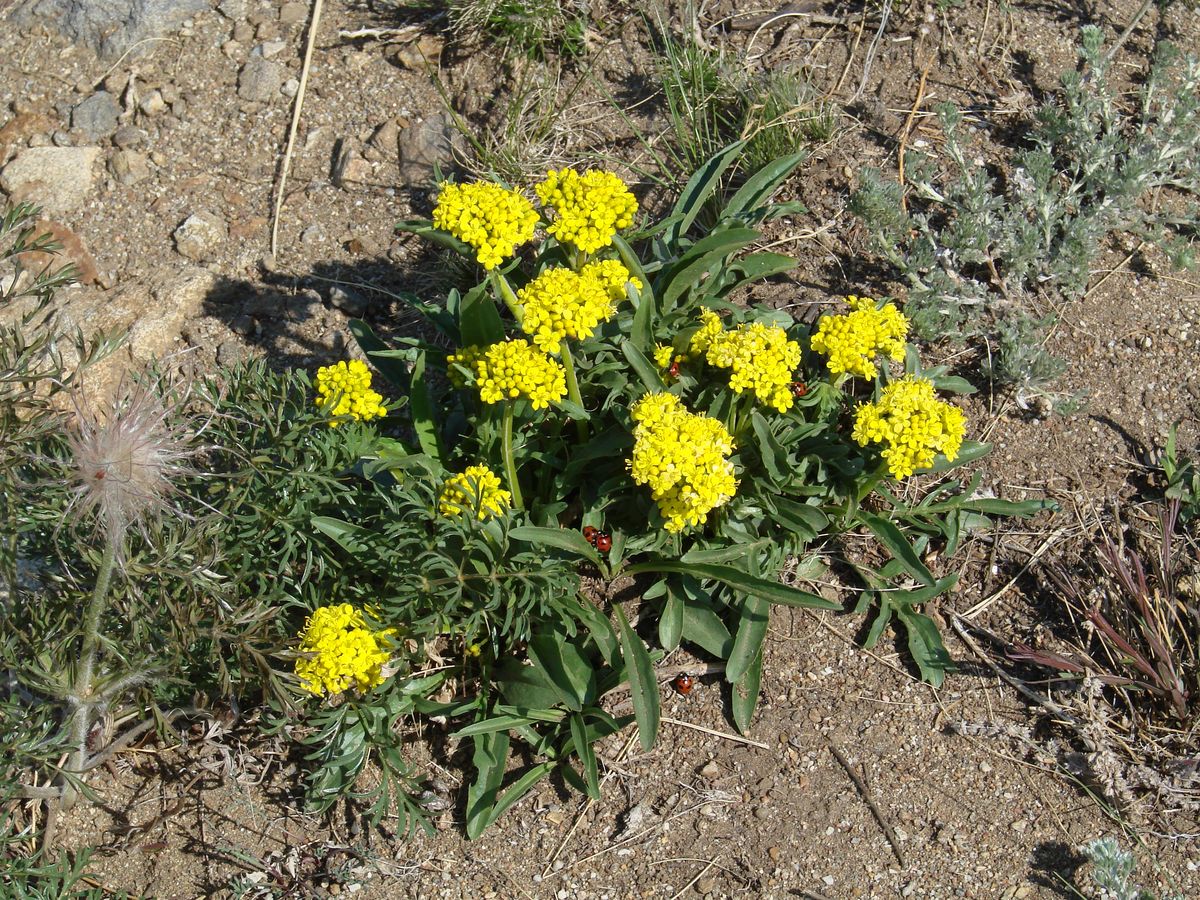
[260,80]
[201,235]
[58,179]
[108,27]
[96,116]
[422,147]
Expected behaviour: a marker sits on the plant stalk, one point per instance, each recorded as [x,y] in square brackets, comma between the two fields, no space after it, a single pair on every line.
[510,470]
[506,293]
[81,690]
[573,394]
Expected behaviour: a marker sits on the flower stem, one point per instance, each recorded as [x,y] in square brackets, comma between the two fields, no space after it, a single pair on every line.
[505,291]
[81,689]
[573,394]
[510,470]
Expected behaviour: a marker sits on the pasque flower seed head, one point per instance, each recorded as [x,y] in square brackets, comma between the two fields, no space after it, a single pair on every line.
[126,459]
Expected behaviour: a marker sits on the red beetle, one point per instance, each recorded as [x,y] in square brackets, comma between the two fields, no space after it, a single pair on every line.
[683,683]
[603,542]
[799,388]
[674,370]
[589,534]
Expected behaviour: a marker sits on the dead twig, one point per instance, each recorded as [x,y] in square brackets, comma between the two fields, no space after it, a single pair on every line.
[313,23]
[736,738]
[868,799]
[908,123]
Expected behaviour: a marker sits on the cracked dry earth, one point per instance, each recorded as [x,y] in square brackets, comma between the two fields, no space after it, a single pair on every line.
[158,170]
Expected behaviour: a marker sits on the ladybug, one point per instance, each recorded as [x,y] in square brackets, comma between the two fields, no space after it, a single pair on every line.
[674,370]
[799,388]
[683,684]
[603,542]
[589,534]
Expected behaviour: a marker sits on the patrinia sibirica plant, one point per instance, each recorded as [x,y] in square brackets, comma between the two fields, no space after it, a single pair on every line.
[604,400]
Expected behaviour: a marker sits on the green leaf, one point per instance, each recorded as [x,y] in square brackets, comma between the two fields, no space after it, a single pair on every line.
[897,544]
[706,253]
[756,266]
[762,184]
[499,723]
[643,367]
[774,457]
[747,643]
[704,628]
[634,265]
[599,627]
[478,319]
[424,228]
[925,645]
[563,538]
[354,539]
[751,584]
[421,406]
[527,687]
[806,522]
[967,453]
[670,623]
[566,668]
[643,688]
[745,693]
[587,755]
[723,554]
[370,343]
[516,791]
[700,187]
[490,758]
[992,506]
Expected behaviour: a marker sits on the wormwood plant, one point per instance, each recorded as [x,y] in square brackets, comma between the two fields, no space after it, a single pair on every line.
[606,405]
[989,256]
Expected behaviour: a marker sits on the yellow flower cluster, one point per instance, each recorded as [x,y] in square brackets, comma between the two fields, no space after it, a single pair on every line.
[341,652]
[590,208]
[663,355]
[760,358]
[851,341]
[512,369]
[344,389]
[912,424]
[562,304]
[491,218]
[477,490]
[683,457]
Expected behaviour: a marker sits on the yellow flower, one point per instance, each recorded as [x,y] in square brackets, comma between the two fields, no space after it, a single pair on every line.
[560,304]
[912,424]
[851,341]
[662,355]
[512,369]
[341,652]
[760,358]
[478,490]
[589,208]
[612,275]
[344,389]
[683,458]
[491,218]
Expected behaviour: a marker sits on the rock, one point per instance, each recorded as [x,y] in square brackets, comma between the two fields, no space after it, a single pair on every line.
[58,179]
[312,235]
[96,117]
[269,49]
[242,325]
[108,27]
[290,88]
[385,140]
[267,31]
[260,80]
[60,138]
[127,137]
[351,302]
[230,353]
[350,168]
[234,10]
[293,13]
[200,236]
[419,54]
[129,166]
[243,32]
[154,104]
[711,770]
[424,145]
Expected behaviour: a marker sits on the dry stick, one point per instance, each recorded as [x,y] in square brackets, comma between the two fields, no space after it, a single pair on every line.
[1034,557]
[862,24]
[873,48]
[866,795]
[960,624]
[683,890]
[1124,36]
[313,22]
[912,115]
[721,734]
